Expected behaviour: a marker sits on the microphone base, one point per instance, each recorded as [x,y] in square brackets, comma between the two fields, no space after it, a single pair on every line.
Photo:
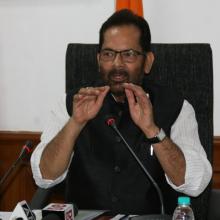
[151,217]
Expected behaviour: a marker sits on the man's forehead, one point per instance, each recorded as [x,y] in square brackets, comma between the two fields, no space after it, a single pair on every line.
[114,30]
[123,36]
[123,28]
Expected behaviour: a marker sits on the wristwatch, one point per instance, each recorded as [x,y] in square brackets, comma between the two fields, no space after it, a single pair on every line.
[158,138]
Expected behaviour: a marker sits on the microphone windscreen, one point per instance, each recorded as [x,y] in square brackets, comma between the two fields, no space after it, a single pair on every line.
[52,216]
[75,209]
[63,211]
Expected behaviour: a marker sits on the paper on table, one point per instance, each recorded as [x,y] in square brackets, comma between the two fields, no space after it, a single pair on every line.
[5,215]
[82,214]
[88,214]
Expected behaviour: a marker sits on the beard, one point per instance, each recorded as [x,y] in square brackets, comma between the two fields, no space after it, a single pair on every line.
[115,79]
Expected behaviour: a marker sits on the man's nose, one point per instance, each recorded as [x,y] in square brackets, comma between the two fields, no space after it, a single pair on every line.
[118,61]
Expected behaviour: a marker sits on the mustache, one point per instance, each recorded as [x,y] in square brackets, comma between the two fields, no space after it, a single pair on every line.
[114,72]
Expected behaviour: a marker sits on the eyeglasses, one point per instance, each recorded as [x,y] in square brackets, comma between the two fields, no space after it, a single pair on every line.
[127,56]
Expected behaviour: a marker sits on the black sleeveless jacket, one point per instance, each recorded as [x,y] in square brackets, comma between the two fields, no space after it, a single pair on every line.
[103,174]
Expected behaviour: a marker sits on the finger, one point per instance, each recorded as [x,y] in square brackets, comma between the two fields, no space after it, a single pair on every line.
[102,95]
[139,93]
[91,90]
[130,97]
[78,99]
[84,97]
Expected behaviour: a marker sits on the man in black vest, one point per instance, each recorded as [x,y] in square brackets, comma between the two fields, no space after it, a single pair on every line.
[157,123]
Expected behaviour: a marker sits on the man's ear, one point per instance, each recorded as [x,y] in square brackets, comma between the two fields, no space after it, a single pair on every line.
[148,62]
[97,56]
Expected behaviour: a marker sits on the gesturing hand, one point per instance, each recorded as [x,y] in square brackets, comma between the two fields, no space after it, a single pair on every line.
[140,108]
[87,103]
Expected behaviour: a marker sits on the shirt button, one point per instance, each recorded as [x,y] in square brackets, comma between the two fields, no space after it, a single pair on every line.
[117,169]
[114,199]
[120,113]
[117,139]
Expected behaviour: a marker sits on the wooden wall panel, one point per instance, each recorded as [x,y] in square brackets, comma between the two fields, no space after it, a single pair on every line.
[216,163]
[21,186]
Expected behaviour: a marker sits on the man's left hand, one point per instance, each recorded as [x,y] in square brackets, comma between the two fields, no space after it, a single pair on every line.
[141,109]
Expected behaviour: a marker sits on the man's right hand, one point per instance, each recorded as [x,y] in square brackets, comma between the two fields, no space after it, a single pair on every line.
[57,153]
[87,103]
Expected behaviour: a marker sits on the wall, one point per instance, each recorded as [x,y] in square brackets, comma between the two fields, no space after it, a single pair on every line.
[34,35]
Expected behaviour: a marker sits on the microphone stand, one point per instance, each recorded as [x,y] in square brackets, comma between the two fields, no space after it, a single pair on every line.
[25,150]
[162,216]
[9,171]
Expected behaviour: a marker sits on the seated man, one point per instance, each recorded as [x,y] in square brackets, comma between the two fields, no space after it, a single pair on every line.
[157,122]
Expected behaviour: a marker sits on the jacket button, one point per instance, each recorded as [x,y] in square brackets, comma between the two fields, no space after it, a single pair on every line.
[117,139]
[120,113]
[114,199]
[117,169]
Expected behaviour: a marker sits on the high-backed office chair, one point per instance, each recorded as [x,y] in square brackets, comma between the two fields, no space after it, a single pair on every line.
[187,67]
[214,210]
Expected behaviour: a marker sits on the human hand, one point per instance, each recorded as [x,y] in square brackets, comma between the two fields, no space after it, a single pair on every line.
[87,103]
[141,109]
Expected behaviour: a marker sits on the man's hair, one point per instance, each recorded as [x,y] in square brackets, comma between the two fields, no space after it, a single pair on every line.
[127,17]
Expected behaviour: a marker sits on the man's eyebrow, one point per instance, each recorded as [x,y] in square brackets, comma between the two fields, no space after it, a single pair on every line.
[107,48]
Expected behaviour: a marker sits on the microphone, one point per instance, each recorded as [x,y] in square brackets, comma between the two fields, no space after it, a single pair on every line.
[58,211]
[26,150]
[22,211]
[110,121]
[52,216]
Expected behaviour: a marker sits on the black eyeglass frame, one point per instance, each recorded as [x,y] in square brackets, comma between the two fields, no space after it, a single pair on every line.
[121,52]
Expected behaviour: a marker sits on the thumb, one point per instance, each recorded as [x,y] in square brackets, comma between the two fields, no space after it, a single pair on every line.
[102,95]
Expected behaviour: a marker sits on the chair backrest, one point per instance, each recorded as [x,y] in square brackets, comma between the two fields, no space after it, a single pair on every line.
[187,67]
[214,211]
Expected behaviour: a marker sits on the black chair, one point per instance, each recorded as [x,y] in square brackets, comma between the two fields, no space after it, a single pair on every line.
[43,196]
[214,210]
[187,67]
[40,198]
